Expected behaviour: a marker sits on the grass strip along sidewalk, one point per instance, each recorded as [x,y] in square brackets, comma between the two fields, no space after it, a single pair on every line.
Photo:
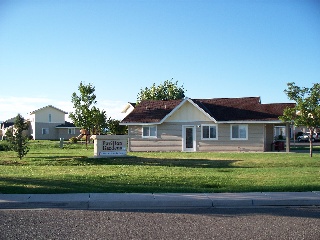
[50,169]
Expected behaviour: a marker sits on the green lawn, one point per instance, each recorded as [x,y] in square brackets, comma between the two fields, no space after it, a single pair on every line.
[49,169]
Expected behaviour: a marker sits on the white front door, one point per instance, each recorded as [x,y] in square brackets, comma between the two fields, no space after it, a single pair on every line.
[188,138]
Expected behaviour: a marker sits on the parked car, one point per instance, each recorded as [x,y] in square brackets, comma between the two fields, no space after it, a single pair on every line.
[298,134]
[305,137]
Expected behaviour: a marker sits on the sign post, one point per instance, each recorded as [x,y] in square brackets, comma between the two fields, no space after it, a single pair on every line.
[110,145]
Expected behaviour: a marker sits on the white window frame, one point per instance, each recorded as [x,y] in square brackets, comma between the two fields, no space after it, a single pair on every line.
[45,131]
[239,125]
[149,136]
[209,125]
[71,131]
[50,118]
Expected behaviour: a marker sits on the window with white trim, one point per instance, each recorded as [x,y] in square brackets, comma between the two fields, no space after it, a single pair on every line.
[149,131]
[71,131]
[209,132]
[239,132]
[45,131]
[50,118]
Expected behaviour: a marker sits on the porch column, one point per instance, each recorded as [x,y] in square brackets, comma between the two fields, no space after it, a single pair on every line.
[287,137]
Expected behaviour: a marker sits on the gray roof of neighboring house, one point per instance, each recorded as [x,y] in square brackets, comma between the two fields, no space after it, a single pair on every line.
[66,125]
[6,124]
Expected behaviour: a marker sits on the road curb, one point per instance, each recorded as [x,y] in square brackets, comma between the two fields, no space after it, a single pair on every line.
[91,201]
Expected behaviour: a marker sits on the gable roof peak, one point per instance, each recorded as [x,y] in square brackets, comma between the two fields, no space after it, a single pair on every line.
[51,106]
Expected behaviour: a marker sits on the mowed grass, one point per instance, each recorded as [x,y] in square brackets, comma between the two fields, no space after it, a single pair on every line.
[50,169]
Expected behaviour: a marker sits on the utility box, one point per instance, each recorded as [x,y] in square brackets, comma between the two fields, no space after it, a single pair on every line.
[278,145]
[61,142]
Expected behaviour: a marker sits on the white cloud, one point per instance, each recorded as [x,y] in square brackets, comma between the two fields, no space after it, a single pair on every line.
[11,106]
[113,108]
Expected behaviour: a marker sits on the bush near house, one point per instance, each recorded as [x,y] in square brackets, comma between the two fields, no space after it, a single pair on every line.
[73,140]
[4,146]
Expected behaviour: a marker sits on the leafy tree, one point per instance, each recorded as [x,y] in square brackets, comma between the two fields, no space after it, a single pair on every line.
[307,109]
[167,91]
[115,128]
[99,121]
[17,139]
[86,115]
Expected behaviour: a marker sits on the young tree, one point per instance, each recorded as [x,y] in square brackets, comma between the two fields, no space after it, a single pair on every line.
[166,91]
[116,129]
[307,109]
[99,121]
[18,141]
[86,115]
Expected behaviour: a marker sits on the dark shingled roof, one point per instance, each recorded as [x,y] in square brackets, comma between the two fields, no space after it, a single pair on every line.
[149,111]
[240,109]
[221,109]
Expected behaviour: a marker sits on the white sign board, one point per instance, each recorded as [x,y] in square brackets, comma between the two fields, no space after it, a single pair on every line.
[110,145]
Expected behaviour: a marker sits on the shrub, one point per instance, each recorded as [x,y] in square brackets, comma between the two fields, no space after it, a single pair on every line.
[5,146]
[73,140]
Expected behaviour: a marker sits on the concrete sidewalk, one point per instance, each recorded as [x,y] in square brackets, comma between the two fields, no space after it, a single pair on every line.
[91,201]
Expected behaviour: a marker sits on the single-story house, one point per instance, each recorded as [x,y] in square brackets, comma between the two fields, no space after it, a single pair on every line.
[218,124]
[46,123]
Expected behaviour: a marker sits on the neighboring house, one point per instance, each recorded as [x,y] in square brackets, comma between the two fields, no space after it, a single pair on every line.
[5,126]
[128,108]
[220,124]
[9,124]
[48,123]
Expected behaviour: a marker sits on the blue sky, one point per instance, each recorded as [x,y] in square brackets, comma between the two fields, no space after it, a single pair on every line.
[213,48]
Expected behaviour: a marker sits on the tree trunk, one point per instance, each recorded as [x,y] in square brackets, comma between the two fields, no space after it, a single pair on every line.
[310,140]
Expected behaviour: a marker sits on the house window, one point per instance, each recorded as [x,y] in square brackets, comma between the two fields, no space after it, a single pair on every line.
[239,132]
[49,117]
[149,131]
[71,131]
[45,131]
[209,132]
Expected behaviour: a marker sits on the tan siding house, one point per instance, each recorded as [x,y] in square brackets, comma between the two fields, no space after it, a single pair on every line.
[48,123]
[221,124]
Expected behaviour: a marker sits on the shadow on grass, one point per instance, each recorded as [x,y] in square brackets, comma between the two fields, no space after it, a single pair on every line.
[97,184]
[130,161]
[190,163]
[112,184]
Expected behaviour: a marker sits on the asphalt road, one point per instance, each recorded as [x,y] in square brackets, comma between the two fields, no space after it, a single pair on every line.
[215,223]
